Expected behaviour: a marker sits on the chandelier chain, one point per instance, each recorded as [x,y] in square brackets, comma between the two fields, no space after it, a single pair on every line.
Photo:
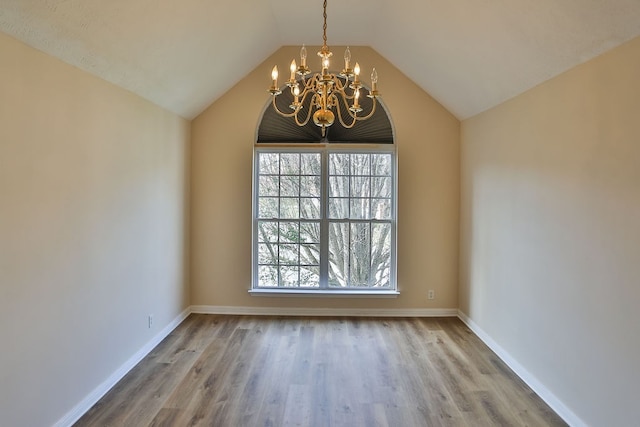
[324,27]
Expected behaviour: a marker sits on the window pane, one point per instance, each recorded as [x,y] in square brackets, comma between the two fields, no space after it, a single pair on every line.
[310,208]
[338,254]
[290,186]
[360,186]
[289,208]
[338,208]
[381,164]
[267,231]
[268,186]
[267,276]
[290,164]
[381,255]
[336,279]
[289,276]
[269,163]
[310,232]
[339,186]
[268,207]
[359,209]
[268,253]
[381,208]
[310,277]
[310,186]
[381,187]
[289,232]
[338,164]
[381,239]
[288,254]
[360,164]
[310,163]
[381,275]
[360,255]
[310,254]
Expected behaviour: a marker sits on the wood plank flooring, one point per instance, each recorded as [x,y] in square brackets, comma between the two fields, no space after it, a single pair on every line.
[317,372]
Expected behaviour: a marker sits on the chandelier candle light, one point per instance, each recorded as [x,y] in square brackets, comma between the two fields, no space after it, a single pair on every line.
[325,89]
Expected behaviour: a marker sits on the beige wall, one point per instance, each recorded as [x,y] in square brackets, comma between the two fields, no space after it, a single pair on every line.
[93,186]
[550,252]
[92,219]
[427,138]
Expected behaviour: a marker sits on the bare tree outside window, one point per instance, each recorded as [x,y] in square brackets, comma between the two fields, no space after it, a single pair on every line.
[352,202]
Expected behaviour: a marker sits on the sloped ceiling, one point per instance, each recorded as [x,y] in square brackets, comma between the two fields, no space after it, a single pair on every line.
[470,55]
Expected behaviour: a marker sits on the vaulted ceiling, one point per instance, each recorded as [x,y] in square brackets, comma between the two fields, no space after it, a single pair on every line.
[470,55]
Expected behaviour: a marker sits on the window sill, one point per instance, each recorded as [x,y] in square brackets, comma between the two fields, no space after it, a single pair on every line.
[322,293]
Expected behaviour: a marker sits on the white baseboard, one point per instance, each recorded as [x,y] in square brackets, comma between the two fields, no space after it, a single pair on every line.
[545,394]
[81,408]
[351,312]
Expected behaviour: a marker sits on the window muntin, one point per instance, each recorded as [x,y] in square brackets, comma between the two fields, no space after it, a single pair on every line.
[325,219]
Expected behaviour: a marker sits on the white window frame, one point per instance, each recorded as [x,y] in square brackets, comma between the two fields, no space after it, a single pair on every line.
[325,149]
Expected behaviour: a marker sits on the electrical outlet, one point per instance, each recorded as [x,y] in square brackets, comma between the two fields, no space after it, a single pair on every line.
[431,294]
[150,321]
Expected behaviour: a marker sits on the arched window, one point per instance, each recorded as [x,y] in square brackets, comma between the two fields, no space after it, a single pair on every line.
[324,209]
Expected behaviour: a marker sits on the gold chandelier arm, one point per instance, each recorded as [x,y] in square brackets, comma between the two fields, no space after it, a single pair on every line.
[355,117]
[345,98]
[310,85]
[295,113]
[303,97]
[275,107]
[342,88]
[306,120]
[368,116]
[335,102]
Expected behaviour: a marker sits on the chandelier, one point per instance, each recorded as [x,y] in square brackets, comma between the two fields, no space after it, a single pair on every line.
[326,90]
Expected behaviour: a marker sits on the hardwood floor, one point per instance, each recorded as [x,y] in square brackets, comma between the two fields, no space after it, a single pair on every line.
[270,371]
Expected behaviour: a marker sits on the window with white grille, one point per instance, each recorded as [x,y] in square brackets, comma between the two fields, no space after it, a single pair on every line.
[324,219]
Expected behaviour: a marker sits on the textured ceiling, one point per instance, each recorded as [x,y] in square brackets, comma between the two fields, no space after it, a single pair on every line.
[468,54]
